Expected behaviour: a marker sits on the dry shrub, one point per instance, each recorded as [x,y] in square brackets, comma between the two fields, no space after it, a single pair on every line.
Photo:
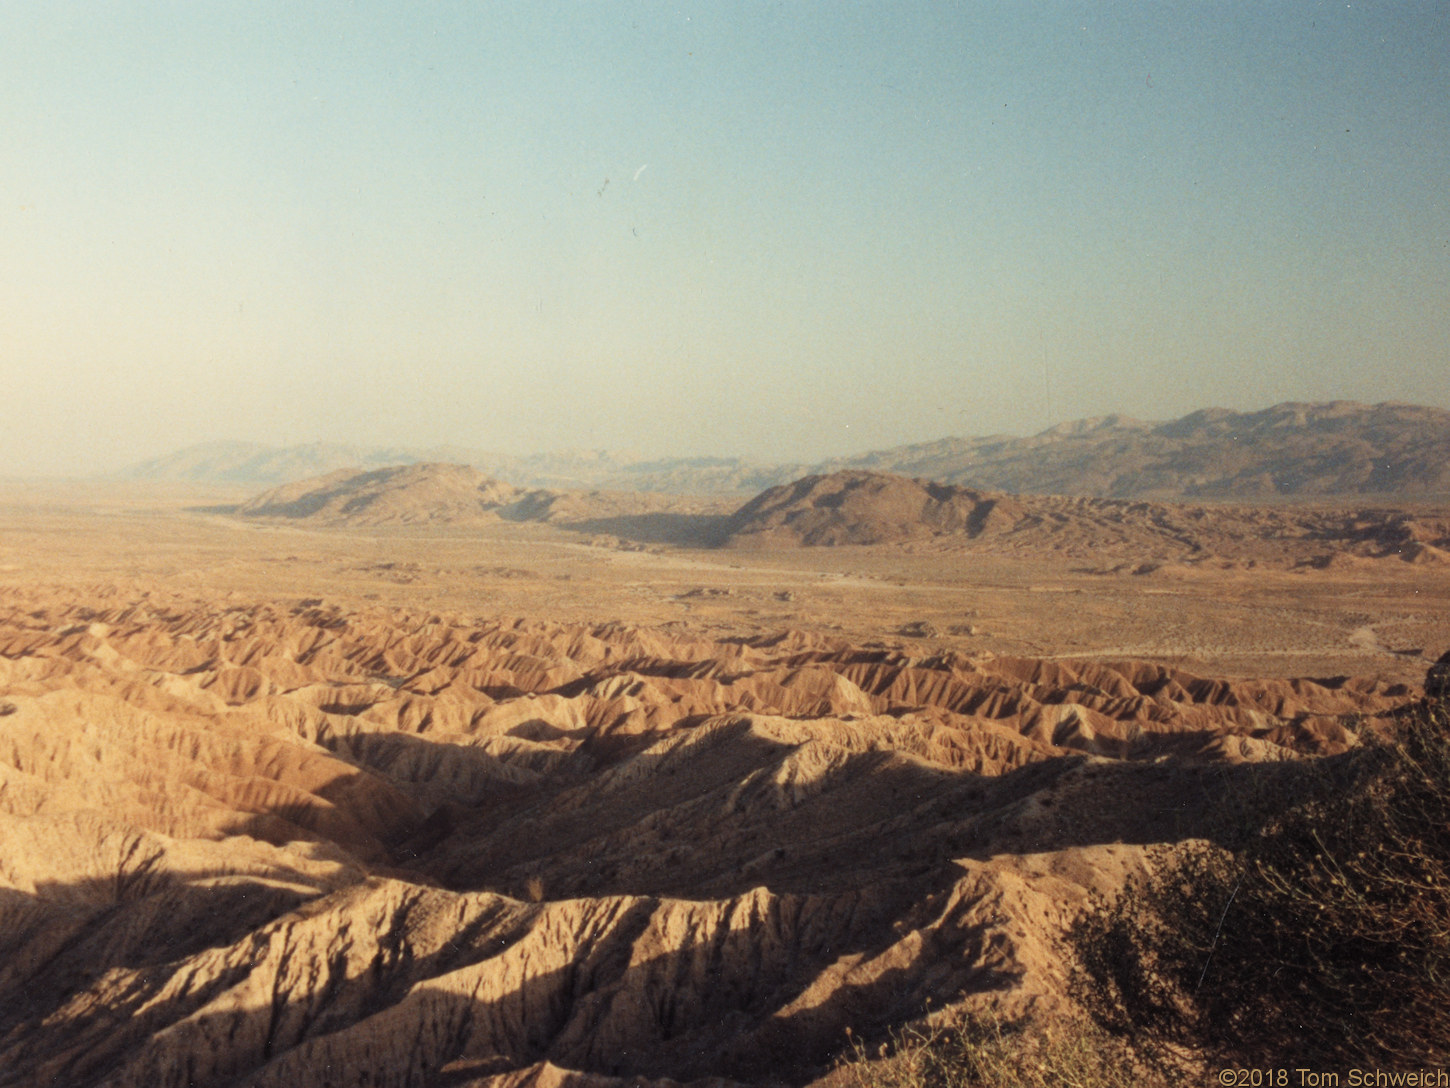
[979,1051]
[1324,938]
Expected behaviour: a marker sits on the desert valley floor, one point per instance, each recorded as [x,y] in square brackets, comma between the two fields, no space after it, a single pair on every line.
[509,803]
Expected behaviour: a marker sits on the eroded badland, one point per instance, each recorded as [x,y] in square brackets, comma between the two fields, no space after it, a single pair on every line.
[501,802]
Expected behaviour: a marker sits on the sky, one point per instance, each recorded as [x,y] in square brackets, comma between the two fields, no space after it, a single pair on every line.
[782,231]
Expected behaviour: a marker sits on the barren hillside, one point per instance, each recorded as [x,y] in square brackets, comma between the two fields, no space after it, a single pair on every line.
[452,494]
[265,844]
[1335,448]
[869,508]
[398,494]
[856,507]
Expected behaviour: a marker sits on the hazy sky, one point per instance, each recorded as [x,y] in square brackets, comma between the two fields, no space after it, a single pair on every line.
[782,230]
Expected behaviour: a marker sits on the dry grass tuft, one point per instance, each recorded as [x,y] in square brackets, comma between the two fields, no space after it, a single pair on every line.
[1323,937]
[980,1051]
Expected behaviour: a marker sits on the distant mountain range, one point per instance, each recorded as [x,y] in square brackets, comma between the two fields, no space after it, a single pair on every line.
[1292,449]
[250,464]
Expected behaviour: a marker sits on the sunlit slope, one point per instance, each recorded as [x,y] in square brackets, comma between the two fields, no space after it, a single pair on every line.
[859,507]
[286,845]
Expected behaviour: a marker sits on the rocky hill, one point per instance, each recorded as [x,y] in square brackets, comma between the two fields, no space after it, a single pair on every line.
[397,495]
[868,508]
[271,844]
[451,494]
[856,507]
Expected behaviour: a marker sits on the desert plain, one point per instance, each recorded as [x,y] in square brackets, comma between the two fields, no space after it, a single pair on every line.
[1303,606]
[630,792]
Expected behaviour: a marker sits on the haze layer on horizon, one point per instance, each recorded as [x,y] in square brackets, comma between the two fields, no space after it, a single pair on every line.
[784,231]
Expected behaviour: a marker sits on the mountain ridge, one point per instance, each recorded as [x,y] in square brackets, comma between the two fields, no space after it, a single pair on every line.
[1302,449]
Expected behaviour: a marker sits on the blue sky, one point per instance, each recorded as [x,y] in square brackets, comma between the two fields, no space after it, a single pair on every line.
[783,230]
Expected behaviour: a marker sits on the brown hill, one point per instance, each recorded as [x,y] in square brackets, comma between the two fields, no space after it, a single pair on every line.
[868,508]
[399,494]
[447,494]
[291,845]
[855,507]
